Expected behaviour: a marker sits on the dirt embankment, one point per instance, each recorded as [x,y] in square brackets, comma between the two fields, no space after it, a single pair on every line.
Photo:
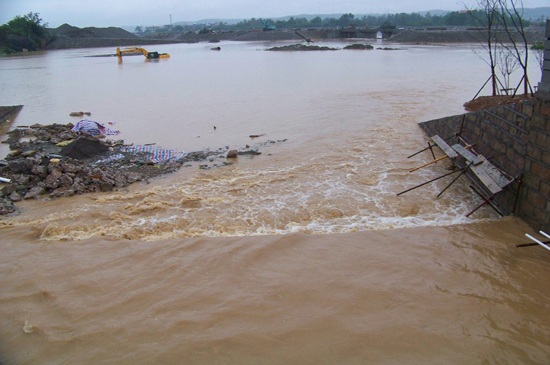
[485,102]
[67,36]
[242,36]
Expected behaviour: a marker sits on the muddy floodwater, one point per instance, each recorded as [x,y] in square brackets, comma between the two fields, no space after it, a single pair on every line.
[301,255]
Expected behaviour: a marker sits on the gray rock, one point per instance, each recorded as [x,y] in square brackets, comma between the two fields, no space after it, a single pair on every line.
[250,152]
[29,153]
[35,192]
[8,189]
[62,192]
[52,180]
[6,206]
[40,170]
[15,197]
[65,180]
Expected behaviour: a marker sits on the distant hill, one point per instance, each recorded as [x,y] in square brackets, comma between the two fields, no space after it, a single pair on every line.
[70,31]
[537,13]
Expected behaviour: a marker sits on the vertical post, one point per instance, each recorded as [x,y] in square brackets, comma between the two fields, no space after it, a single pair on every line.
[520,181]
[431,149]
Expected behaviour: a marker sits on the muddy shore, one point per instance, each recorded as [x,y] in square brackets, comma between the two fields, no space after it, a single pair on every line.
[51,161]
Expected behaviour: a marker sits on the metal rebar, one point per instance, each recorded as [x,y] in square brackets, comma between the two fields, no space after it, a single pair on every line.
[427,182]
[455,179]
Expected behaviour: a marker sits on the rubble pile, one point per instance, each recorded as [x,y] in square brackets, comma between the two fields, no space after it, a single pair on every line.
[56,161]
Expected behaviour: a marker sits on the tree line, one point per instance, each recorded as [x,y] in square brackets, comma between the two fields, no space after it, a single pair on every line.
[24,32]
[455,18]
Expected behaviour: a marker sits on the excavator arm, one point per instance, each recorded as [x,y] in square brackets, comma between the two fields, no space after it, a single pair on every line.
[133,50]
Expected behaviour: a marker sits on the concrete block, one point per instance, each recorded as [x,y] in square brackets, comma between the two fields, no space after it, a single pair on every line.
[543,140]
[537,122]
[541,171]
[526,208]
[536,199]
[540,214]
[534,152]
[520,148]
[531,181]
[548,28]
[545,109]
[545,158]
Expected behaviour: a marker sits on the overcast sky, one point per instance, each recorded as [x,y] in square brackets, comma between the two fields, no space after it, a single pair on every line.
[104,13]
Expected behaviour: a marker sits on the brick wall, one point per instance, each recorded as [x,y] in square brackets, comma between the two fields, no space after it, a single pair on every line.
[516,139]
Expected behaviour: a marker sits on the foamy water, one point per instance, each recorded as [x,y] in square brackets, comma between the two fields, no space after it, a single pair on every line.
[344,189]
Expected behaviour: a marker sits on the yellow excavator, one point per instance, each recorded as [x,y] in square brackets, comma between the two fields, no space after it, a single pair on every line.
[134,50]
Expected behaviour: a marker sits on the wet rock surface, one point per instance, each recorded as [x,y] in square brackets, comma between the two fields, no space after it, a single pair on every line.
[302,47]
[359,46]
[52,161]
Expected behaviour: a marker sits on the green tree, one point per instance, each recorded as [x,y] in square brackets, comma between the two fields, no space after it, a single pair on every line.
[291,23]
[28,30]
[346,19]
[316,22]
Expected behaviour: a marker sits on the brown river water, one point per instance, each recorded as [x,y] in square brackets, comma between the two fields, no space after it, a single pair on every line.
[301,255]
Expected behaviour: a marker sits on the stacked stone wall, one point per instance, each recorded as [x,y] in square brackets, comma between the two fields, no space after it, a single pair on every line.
[516,139]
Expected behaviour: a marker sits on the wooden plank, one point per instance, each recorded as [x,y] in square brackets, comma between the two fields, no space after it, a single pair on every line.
[444,146]
[485,178]
[469,156]
[490,176]
[501,180]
